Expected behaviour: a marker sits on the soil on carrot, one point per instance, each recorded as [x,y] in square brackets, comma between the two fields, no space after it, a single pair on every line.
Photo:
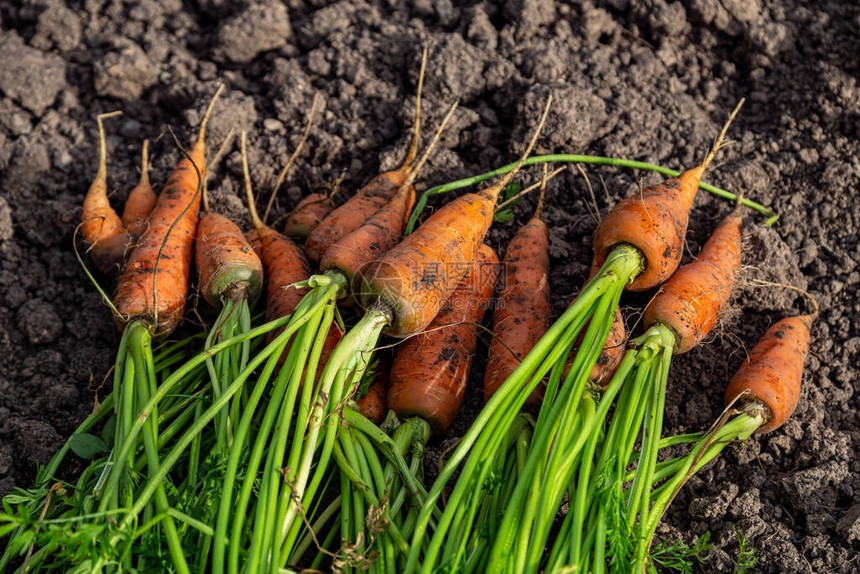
[651,83]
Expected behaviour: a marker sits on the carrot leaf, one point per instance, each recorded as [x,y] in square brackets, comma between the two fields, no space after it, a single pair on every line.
[510,191]
[87,446]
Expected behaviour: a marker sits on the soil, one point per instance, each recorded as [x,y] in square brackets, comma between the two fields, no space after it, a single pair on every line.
[648,81]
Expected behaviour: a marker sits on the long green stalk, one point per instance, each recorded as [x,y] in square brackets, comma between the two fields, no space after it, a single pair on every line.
[481,442]
[771,215]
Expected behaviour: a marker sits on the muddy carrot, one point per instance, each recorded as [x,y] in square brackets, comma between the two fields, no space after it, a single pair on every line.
[141,200]
[101,227]
[154,284]
[370,198]
[283,261]
[769,379]
[417,276]
[430,370]
[307,215]
[522,314]
[690,301]
[655,222]
[226,263]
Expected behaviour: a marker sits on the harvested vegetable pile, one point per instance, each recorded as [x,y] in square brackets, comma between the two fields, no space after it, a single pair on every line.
[645,84]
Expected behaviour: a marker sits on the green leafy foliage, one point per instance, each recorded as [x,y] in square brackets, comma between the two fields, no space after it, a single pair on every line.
[506,214]
[680,556]
[87,446]
[747,558]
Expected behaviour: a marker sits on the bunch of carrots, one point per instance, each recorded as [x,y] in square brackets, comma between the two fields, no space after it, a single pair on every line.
[282,436]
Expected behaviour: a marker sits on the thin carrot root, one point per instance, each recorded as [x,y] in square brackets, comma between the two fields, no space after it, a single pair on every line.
[141,200]
[282,176]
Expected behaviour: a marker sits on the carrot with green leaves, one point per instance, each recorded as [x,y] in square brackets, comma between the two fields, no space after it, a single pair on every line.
[154,284]
[760,397]
[678,318]
[637,246]
[343,261]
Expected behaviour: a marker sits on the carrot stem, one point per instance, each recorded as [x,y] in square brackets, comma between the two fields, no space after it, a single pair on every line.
[771,215]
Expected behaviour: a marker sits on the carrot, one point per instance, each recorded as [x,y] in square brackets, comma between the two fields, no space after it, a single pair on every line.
[414,278]
[227,264]
[307,215]
[141,200]
[523,312]
[654,221]
[372,404]
[370,198]
[101,227]
[154,284]
[430,370]
[769,379]
[690,301]
[283,261]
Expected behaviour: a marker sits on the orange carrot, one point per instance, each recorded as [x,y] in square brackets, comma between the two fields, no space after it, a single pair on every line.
[770,377]
[154,284]
[101,227]
[655,222]
[523,312]
[283,261]
[690,301]
[414,278]
[370,198]
[307,215]
[141,200]
[226,263]
[430,370]
[372,404]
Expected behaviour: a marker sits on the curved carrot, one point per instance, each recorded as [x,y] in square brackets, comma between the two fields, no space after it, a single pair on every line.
[141,200]
[307,215]
[370,198]
[101,227]
[430,370]
[373,404]
[770,377]
[226,263]
[655,222]
[415,277]
[690,301]
[523,312]
[154,284]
